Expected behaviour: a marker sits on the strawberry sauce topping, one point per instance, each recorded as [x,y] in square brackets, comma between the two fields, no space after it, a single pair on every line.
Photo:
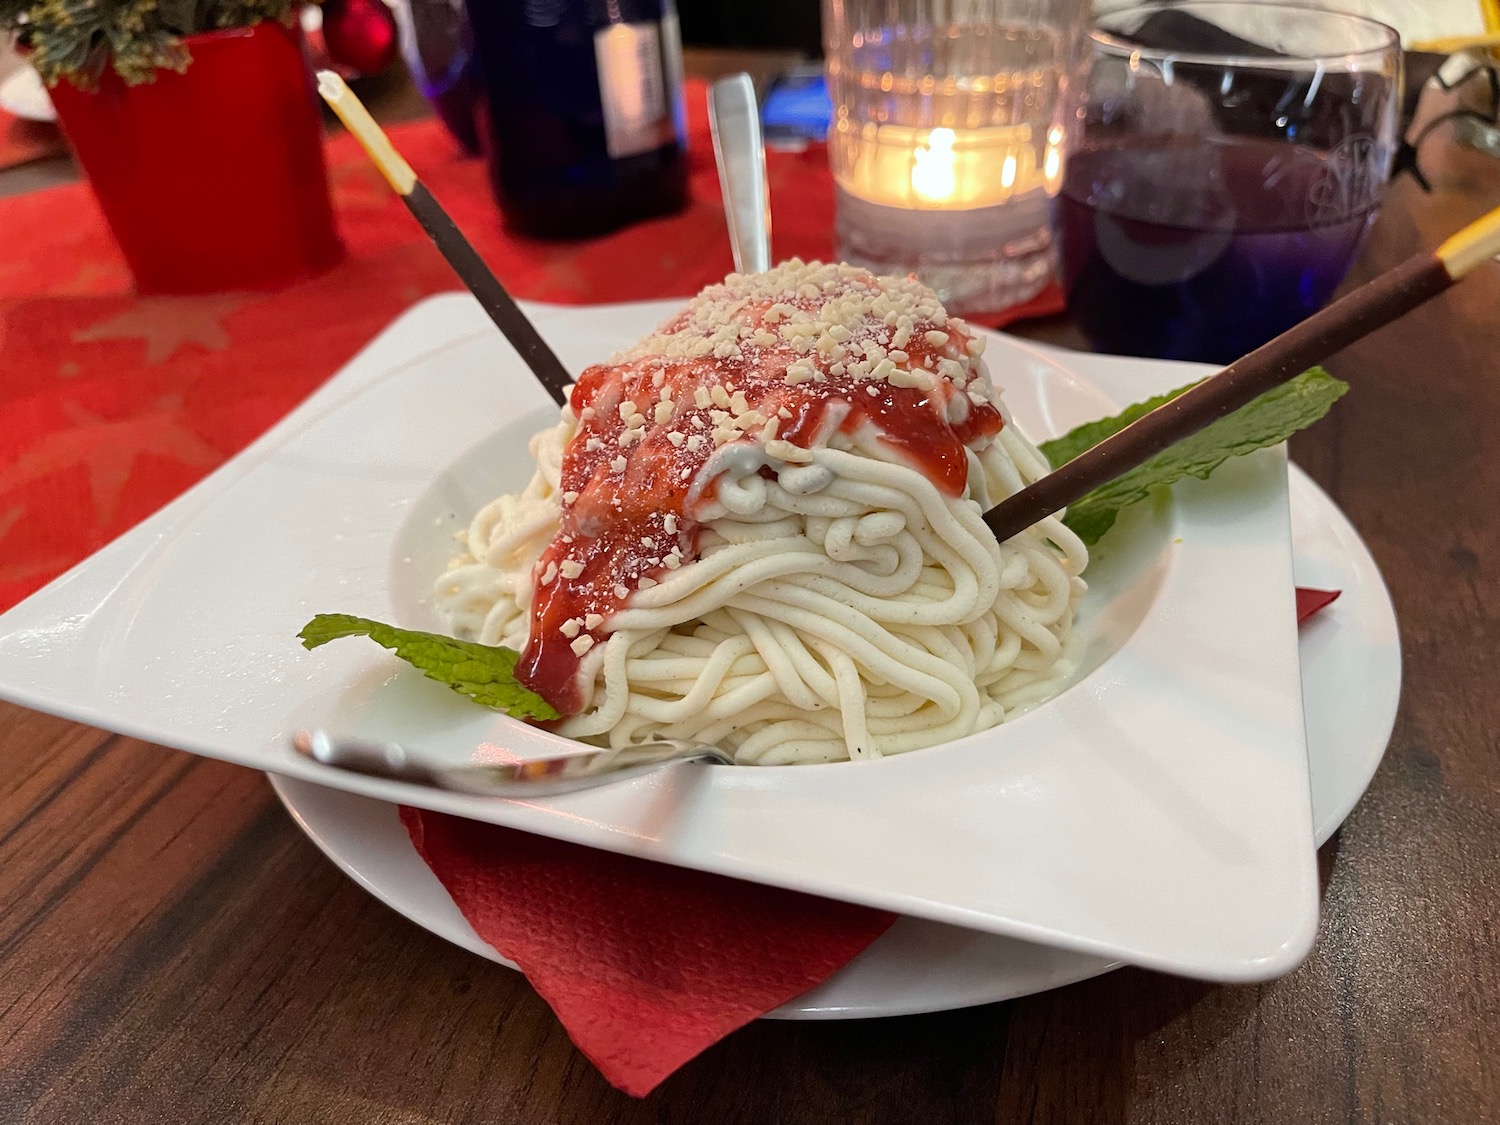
[790,356]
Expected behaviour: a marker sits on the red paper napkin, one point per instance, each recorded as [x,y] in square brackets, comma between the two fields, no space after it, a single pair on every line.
[1310,601]
[647,965]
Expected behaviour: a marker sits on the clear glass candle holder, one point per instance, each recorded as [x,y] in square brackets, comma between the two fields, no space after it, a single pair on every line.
[948,136]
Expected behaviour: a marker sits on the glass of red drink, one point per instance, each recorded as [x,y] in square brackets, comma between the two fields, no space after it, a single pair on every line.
[1228,159]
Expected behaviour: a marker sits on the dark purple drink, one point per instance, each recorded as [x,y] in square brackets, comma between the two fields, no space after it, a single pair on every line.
[1206,248]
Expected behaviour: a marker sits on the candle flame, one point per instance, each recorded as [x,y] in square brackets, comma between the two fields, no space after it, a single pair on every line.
[1052,160]
[932,175]
[946,168]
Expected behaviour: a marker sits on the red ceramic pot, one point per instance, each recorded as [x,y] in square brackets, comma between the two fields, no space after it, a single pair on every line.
[213,179]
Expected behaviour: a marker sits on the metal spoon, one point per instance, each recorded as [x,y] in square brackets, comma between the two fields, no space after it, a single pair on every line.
[539,777]
[734,122]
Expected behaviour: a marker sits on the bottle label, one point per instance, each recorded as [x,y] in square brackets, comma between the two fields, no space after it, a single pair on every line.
[634,86]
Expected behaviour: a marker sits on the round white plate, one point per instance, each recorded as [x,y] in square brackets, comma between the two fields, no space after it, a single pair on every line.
[25,95]
[1351,685]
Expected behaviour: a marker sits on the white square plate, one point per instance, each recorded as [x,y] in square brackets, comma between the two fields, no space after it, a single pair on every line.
[1157,811]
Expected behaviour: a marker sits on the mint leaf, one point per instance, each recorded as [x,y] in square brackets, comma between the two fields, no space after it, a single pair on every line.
[1060,450]
[485,673]
[1268,420]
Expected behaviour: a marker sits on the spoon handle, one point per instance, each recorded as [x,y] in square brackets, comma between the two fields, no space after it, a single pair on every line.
[734,121]
[537,777]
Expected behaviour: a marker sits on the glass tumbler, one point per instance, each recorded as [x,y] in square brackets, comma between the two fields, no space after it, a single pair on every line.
[949,126]
[1230,158]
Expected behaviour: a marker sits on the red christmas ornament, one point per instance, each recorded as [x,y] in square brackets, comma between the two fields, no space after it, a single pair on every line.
[360,34]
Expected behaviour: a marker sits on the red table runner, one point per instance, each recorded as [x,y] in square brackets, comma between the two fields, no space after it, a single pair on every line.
[111,404]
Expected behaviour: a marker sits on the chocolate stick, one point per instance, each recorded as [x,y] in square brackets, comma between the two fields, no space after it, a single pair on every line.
[461,255]
[1358,313]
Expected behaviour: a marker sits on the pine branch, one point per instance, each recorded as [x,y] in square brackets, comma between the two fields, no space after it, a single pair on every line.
[77,39]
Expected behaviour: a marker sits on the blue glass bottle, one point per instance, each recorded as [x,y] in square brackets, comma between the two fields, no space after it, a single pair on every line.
[581,115]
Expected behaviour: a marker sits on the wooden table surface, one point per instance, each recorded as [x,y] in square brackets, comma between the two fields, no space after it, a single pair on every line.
[173,950]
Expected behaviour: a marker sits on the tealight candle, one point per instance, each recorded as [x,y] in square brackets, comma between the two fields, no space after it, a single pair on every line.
[945,169]
[948,140]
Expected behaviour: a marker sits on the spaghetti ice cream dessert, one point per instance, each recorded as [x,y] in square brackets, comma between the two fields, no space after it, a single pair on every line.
[761,527]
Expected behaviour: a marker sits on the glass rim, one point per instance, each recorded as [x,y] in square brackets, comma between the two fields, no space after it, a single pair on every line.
[1115,40]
